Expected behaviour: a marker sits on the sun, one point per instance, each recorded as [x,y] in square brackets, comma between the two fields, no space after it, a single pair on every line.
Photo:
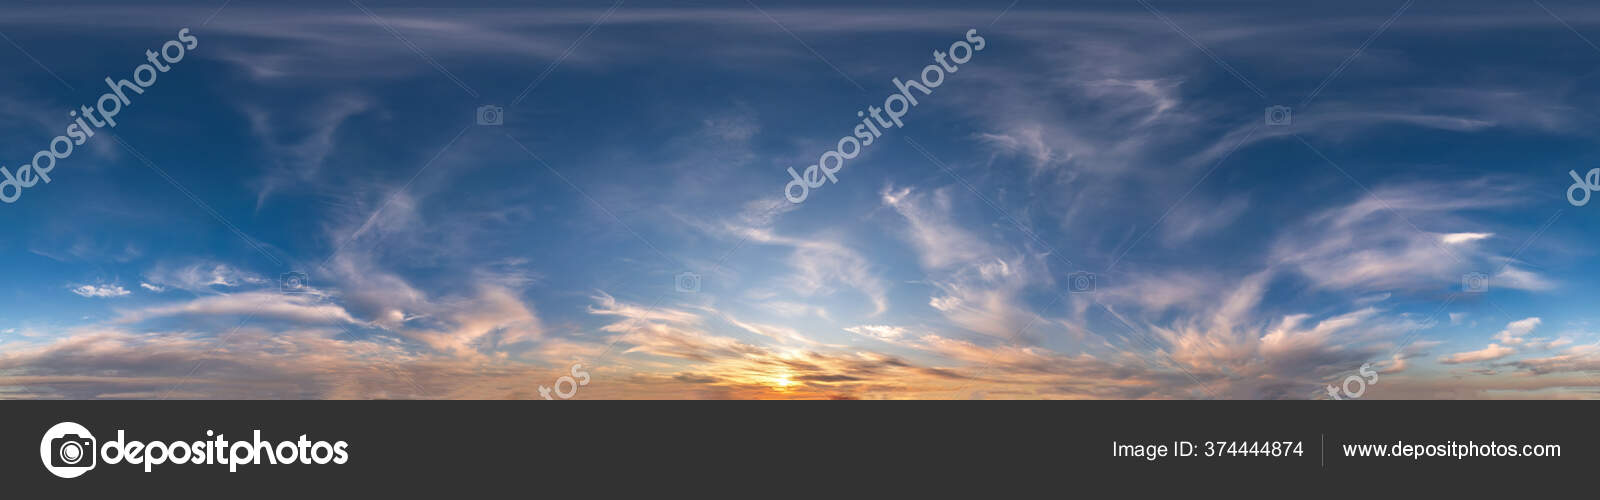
[782,382]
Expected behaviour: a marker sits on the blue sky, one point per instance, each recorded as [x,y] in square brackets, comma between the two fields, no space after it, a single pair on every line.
[1232,258]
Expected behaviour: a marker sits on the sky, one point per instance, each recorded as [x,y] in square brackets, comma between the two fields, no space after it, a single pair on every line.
[1099,203]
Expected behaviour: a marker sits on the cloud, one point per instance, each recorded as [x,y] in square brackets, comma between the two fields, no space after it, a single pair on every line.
[820,261]
[666,332]
[884,332]
[1026,141]
[298,308]
[1157,292]
[1027,371]
[610,306]
[1519,279]
[495,317]
[979,286]
[1387,241]
[1512,336]
[819,264]
[153,288]
[299,160]
[1492,352]
[1226,339]
[1580,358]
[101,291]
[1184,225]
[1458,238]
[254,364]
[700,360]
[940,242]
[1516,330]
[381,231]
[202,277]
[782,334]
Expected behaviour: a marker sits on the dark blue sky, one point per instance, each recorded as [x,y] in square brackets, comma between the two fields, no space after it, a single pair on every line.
[628,213]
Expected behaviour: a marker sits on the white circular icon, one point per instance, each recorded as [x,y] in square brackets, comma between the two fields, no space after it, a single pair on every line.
[68,450]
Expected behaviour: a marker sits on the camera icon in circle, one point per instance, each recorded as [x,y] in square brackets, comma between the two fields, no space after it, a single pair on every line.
[293,282]
[1279,116]
[1475,282]
[68,450]
[1080,282]
[687,282]
[492,115]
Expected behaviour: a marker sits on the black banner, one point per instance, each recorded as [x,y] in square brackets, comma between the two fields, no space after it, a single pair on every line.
[472,449]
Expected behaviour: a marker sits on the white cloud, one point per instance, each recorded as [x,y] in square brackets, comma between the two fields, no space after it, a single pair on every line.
[297,308]
[782,334]
[1516,330]
[1519,279]
[1457,238]
[610,306]
[202,277]
[820,262]
[101,291]
[979,285]
[940,241]
[1385,241]
[1492,352]
[1512,336]
[667,333]
[1027,141]
[496,316]
[884,332]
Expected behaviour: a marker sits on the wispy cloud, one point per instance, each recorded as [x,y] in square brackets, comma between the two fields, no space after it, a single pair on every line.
[101,291]
[298,308]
